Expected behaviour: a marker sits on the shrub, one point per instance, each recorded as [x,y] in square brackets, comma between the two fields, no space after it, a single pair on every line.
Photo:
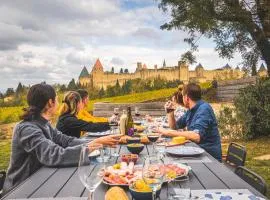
[229,126]
[253,109]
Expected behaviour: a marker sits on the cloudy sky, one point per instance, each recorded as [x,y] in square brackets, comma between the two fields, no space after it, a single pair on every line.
[52,40]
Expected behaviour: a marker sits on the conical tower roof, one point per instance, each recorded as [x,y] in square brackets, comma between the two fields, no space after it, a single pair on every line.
[84,73]
[199,66]
[262,68]
[227,66]
[98,66]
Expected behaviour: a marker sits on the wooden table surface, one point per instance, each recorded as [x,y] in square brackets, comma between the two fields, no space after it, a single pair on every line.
[64,182]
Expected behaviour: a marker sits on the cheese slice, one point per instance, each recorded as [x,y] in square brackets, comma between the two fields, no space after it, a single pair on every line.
[178,140]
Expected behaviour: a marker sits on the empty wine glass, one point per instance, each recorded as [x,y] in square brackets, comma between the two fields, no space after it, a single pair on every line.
[116,113]
[114,131]
[161,147]
[90,169]
[152,173]
[137,113]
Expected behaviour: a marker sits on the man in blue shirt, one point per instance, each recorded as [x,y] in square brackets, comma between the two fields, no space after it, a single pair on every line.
[199,121]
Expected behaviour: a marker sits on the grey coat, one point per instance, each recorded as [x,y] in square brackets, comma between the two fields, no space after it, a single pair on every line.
[36,144]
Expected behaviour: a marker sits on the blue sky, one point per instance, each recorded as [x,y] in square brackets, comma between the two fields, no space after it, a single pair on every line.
[52,40]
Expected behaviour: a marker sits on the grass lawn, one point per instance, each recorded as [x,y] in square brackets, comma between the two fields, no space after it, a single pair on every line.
[257,147]
[4,154]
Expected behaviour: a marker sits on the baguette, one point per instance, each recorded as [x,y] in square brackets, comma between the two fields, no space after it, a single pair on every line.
[116,193]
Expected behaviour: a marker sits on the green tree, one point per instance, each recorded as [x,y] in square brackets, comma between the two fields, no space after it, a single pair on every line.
[127,87]
[101,92]
[233,25]
[72,85]
[121,71]
[10,92]
[110,91]
[62,88]
[112,70]
[19,90]
[117,88]
[126,71]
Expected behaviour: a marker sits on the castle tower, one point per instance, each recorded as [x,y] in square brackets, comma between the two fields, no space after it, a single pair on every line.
[164,64]
[98,66]
[97,74]
[199,70]
[183,72]
[84,78]
[139,66]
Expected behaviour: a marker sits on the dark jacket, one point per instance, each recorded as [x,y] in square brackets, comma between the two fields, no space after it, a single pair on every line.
[72,126]
[36,144]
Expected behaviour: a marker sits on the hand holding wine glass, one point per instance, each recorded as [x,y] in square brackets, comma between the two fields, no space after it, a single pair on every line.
[169,106]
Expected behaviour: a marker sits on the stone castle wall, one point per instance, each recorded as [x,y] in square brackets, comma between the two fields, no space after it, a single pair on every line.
[98,78]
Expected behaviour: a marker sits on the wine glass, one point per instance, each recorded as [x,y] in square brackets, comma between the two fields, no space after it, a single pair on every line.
[137,113]
[152,174]
[116,111]
[152,137]
[114,131]
[161,147]
[90,168]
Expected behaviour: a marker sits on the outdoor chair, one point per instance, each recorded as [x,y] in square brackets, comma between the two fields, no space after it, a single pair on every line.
[236,156]
[2,180]
[252,179]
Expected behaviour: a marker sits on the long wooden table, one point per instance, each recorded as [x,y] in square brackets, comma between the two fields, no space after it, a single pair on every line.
[64,182]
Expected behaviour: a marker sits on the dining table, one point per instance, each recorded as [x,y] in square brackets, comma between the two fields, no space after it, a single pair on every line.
[206,174]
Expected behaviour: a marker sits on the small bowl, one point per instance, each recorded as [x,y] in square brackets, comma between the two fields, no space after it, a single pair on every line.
[133,140]
[135,148]
[137,195]
[129,158]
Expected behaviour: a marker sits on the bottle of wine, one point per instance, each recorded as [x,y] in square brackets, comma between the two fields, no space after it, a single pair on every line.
[129,124]
[123,122]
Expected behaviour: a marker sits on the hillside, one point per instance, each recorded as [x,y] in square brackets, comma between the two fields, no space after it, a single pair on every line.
[11,114]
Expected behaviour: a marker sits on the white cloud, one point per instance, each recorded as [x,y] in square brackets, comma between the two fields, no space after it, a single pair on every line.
[52,40]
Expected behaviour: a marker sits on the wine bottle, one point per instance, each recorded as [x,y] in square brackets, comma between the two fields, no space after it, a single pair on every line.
[129,124]
[123,121]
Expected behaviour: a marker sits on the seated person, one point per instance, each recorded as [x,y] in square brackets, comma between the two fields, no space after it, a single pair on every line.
[199,120]
[177,104]
[83,114]
[69,124]
[36,143]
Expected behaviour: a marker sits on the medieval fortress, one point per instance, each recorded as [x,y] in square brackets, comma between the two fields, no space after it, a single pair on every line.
[99,78]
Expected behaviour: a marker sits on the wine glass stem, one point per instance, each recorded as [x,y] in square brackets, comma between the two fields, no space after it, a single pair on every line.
[154,194]
[91,196]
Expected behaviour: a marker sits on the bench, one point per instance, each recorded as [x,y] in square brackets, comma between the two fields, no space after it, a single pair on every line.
[105,109]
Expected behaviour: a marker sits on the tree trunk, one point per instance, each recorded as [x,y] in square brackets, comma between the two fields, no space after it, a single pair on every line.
[262,42]
[264,46]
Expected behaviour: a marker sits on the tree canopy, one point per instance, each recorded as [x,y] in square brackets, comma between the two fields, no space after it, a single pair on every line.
[234,25]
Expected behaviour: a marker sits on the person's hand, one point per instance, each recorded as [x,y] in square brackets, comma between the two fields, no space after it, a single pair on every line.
[109,140]
[164,132]
[93,146]
[169,106]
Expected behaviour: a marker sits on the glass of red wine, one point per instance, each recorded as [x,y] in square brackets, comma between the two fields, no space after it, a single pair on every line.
[153,138]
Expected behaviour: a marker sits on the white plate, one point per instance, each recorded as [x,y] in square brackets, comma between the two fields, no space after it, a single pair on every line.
[97,134]
[185,151]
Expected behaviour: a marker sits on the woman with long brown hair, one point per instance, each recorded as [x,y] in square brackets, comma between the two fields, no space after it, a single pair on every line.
[36,143]
[69,124]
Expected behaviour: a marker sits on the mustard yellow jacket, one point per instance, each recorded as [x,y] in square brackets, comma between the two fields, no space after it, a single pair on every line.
[86,116]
